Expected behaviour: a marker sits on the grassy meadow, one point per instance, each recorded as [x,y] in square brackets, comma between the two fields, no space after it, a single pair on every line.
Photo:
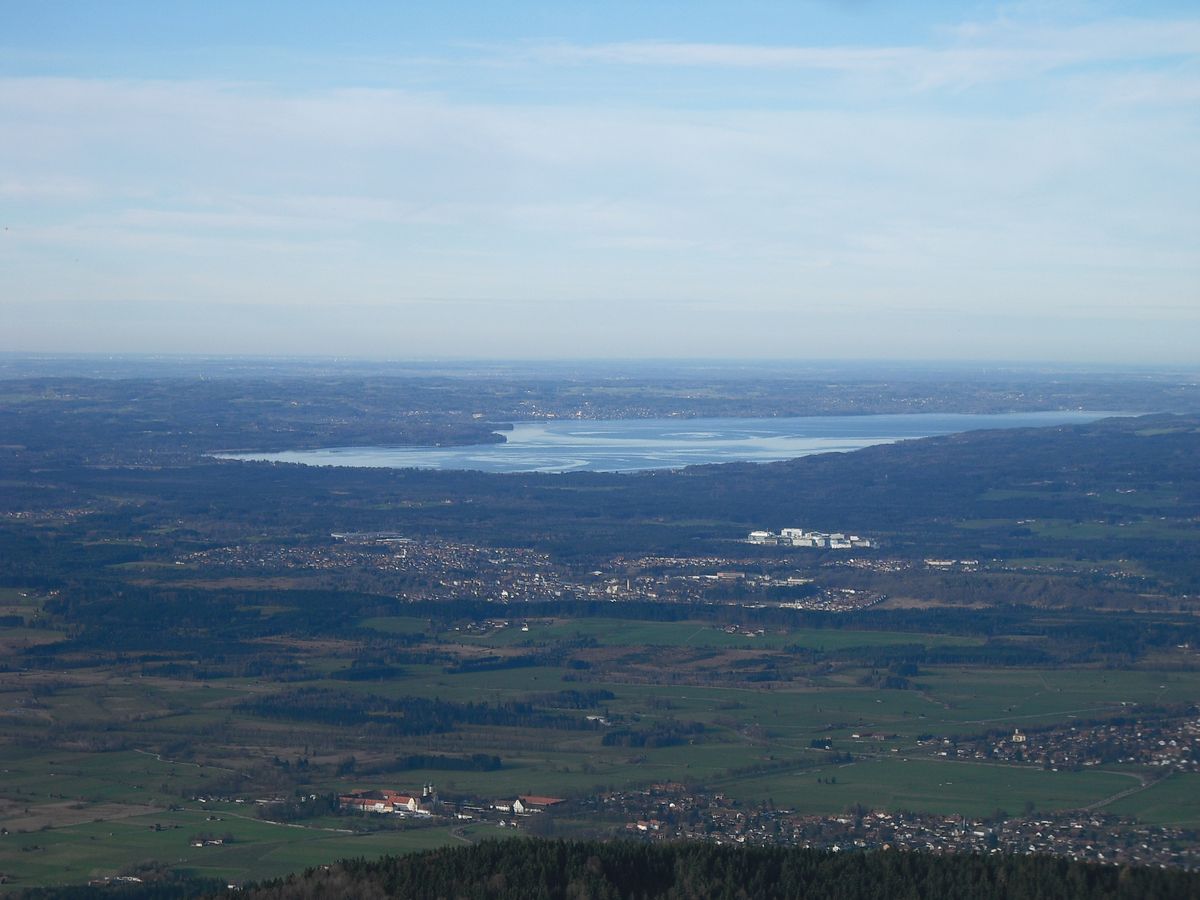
[133,752]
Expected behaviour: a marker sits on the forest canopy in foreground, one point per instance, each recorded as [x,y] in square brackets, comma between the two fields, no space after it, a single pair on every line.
[553,869]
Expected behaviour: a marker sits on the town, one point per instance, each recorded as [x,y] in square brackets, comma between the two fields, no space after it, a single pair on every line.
[437,569]
[672,811]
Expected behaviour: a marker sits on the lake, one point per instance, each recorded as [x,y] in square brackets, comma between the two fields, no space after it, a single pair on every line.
[634,445]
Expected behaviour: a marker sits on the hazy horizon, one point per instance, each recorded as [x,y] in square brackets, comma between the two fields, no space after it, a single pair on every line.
[20,363]
[845,180]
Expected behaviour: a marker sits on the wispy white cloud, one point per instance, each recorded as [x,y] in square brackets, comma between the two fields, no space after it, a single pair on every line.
[742,56]
[552,208]
[51,188]
[428,173]
[972,53]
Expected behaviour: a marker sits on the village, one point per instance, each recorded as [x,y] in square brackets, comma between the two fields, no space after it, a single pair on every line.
[434,569]
[1170,744]
[663,814]
[673,811]
[428,804]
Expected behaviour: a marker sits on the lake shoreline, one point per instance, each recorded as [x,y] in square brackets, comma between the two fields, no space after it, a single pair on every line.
[636,445]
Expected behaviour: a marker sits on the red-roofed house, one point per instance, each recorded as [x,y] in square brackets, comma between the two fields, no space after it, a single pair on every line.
[380,802]
[530,803]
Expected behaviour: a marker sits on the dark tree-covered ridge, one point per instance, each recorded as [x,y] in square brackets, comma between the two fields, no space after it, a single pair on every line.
[561,869]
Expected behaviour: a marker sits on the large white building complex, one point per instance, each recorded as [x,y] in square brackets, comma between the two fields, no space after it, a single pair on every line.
[798,537]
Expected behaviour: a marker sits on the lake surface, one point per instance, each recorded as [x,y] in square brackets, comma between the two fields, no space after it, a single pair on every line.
[633,445]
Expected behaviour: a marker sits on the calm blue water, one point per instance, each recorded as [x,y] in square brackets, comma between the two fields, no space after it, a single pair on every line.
[632,445]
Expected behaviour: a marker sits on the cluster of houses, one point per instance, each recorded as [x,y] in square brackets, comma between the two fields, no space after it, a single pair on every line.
[1168,743]
[528,804]
[798,537]
[673,812]
[388,802]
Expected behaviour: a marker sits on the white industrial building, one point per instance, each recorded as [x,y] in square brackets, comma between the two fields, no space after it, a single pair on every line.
[799,537]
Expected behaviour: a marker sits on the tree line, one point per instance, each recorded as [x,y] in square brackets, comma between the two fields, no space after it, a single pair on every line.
[624,869]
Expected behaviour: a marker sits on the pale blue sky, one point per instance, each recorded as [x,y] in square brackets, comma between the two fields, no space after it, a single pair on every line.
[784,179]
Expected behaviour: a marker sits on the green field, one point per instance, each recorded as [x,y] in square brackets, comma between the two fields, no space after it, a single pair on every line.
[1142,529]
[89,807]
[1175,800]
[259,850]
[968,788]
[633,633]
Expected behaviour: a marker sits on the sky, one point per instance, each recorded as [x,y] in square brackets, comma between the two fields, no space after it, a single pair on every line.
[783,180]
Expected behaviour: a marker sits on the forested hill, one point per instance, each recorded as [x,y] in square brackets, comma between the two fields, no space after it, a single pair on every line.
[1051,471]
[555,869]
[1121,489]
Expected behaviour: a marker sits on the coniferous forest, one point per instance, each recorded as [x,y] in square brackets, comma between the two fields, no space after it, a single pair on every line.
[578,869]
